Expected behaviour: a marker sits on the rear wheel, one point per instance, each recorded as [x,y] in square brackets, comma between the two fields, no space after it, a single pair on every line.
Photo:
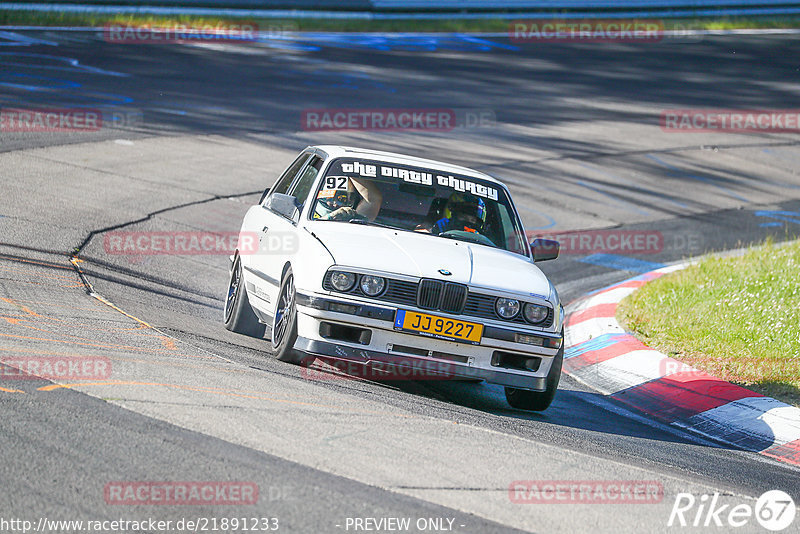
[538,401]
[284,325]
[239,316]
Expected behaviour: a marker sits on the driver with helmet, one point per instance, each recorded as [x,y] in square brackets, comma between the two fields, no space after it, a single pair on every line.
[361,200]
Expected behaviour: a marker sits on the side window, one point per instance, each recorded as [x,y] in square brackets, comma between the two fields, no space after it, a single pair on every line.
[286,179]
[306,180]
[514,242]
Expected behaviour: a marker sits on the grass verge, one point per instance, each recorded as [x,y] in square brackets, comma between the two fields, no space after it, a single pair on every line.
[737,318]
[499,24]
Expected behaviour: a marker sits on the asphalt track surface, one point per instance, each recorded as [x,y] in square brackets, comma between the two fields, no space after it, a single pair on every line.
[574,132]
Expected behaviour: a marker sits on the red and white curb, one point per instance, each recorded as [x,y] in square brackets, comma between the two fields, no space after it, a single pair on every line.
[602,355]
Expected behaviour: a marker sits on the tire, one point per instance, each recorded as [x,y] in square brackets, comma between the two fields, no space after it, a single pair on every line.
[538,401]
[284,323]
[239,316]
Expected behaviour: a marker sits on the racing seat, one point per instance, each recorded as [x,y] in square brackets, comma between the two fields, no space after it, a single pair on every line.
[436,211]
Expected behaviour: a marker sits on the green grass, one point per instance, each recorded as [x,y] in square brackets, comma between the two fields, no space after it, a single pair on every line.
[737,318]
[500,24]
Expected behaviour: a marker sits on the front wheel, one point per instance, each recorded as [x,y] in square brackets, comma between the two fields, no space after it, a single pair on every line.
[284,325]
[239,316]
[538,401]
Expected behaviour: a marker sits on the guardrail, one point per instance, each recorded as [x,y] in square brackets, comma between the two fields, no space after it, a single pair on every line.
[343,5]
[420,9]
[483,5]
[439,5]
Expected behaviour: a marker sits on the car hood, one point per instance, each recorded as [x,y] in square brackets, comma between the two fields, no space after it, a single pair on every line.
[423,255]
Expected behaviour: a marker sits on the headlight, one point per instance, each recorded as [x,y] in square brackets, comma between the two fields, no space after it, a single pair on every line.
[342,281]
[507,308]
[535,313]
[372,285]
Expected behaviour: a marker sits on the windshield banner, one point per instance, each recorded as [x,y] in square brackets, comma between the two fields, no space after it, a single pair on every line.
[369,169]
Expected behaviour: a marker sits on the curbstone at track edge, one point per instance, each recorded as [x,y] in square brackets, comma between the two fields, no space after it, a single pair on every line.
[602,355]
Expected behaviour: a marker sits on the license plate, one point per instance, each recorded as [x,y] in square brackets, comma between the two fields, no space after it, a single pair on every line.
[438,327]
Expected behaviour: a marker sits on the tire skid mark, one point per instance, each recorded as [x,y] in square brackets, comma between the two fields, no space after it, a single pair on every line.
[60,305]
[21,322]
[75,260]
[256,395]
[165,341]
[170,362]
[34,262]
[20,307]
[39,275]
[102,345]
[138,330]
[69,286]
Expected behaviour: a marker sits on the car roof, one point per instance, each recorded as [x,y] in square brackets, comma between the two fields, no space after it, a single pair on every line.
[338,151]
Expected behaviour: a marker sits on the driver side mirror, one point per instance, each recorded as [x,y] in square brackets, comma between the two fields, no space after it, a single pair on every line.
[544,249]
[285,205]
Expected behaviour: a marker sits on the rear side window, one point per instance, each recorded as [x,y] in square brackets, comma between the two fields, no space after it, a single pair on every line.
[286,179]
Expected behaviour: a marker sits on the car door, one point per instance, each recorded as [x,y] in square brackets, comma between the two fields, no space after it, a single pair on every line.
[260,266]
[279,242]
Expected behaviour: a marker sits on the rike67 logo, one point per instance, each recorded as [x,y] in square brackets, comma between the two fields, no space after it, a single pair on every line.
[774,510]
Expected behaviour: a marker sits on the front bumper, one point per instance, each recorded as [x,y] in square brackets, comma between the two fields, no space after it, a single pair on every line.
[411,356]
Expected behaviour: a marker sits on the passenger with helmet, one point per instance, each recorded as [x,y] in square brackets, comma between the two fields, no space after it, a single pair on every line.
[463,212]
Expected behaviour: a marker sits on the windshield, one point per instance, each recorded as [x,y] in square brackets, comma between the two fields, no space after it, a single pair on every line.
[418,200]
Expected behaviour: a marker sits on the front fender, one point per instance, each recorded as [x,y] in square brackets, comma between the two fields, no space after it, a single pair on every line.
[310,262]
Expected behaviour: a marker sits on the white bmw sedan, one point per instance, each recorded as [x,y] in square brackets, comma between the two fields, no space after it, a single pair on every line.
[414,267]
